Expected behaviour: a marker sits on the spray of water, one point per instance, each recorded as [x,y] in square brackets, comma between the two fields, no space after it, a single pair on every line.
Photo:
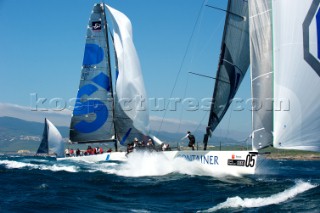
[237,202]
[156,164]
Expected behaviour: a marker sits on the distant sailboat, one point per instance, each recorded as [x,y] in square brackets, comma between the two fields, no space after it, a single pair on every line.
[51,143]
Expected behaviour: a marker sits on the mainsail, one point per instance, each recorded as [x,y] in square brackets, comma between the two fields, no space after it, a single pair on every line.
[233,62]
[296,33]
[260,15]
[92,119]
[51,142]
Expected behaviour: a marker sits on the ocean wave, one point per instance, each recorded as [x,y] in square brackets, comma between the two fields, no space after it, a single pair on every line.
[237,202]
[19,165]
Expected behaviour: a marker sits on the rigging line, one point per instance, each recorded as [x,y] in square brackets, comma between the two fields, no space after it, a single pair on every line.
[184,95]
[217,8]
[207,76]
[229,123]
[183,59]
[204,116]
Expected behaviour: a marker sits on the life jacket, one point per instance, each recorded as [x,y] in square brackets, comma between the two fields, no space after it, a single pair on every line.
[192,139]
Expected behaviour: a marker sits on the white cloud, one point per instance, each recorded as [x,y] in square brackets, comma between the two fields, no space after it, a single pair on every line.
[59,118]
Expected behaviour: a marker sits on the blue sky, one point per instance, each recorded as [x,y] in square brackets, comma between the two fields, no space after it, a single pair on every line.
[42,43]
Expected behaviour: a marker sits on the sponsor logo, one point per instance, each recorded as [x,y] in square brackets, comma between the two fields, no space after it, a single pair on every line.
[312,18]
[237,161]
[232,162]
[204,159]
[96,25]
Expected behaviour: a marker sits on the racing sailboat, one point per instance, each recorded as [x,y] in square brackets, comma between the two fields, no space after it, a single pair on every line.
[51,143]
[101,115]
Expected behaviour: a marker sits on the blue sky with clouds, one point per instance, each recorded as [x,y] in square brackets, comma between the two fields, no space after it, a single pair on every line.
[42,43]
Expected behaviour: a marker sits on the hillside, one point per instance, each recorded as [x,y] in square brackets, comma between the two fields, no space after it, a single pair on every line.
[16,134]
[13,127]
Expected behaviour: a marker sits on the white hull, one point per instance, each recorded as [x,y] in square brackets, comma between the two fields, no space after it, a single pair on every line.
[218,162]
[215,162]
[108,156]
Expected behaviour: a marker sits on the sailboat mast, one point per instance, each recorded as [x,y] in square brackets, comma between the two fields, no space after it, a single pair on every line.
[109,71]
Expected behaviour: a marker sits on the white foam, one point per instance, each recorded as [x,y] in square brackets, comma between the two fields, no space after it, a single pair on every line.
[236,202]
[154,164]
[18,165]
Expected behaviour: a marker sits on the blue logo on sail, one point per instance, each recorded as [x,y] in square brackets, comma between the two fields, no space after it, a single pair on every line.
[311,22]
[93,54]
[95,111]
[96,107]
[103,81]
[92,106]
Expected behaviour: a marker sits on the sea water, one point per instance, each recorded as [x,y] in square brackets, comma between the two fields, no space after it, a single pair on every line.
[150,183]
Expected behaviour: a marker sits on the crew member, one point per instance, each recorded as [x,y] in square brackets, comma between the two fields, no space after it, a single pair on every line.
[192,139]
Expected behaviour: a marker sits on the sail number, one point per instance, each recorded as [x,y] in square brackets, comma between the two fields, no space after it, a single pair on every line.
[250,161]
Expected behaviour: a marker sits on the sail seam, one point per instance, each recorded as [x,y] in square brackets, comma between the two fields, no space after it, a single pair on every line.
[259,14]
[261,76]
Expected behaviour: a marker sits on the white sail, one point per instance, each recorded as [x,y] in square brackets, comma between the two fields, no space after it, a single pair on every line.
[56,144]
[131,109]
[260,15]
[51,142]
[296,33]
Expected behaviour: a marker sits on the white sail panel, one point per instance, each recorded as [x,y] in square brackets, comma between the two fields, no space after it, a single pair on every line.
[297,73]
[92,119]
[260,15]
[55,141]
[131,110]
